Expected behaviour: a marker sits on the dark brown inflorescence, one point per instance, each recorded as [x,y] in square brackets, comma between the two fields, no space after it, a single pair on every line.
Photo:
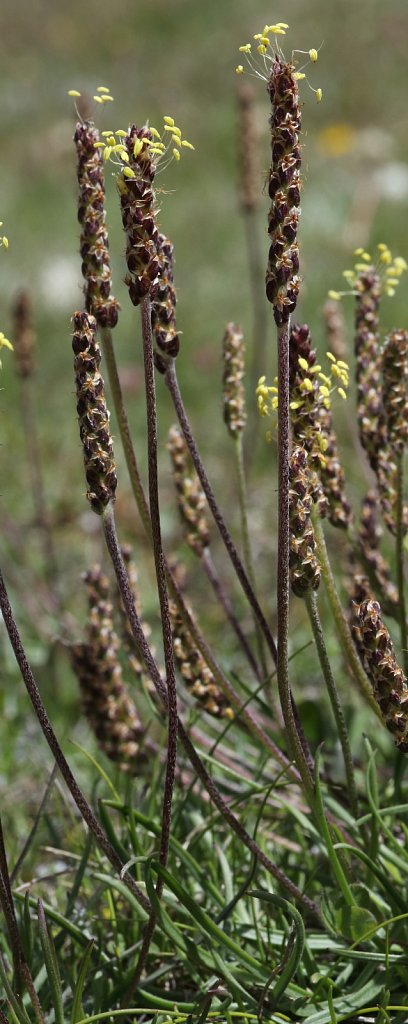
[312,427]
[304,566]
[282,279]
[368,377]
[233,394]
[335,328]
[190,496]
[389,683]
[193,669]
[94,244]
[165,338]
[394,367]
[93,416]
[109,710]
[139,212]
[23,334]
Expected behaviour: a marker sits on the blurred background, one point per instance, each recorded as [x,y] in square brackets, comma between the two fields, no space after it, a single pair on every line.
[173,57]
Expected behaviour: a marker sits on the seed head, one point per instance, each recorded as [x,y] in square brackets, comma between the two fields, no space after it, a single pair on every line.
[193,669]
[93,416]
[233,354]
[23,334]
[94,246]
[304,566]
[165,337]
[387,678]
[282,276]
[190,496]
[106,704]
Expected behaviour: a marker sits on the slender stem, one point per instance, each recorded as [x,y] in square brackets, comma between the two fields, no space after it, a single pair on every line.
[342,626]
[151,666]
[42,717]
[211,573]
[124,430]
[137,488]
[165,620]
[246,541]
[283,563]
[311,605]
[399,553]
[33,830]
[172,384]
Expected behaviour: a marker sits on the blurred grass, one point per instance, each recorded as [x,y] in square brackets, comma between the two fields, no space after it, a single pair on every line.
[159,57]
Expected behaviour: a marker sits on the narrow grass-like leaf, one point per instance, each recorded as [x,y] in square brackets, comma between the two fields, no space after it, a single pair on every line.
[51,964]
[291,966]
[15,1006]
[77,1011]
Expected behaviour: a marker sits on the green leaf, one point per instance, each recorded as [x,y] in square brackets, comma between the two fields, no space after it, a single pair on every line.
[51,965]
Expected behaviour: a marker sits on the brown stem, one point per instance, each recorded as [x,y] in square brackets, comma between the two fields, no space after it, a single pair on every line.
[21,968]
[42,717]
[173,386]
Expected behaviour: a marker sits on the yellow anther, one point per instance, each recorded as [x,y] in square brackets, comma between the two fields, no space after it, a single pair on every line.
[393,281]
[314,369]
[176,139]
[73,92]
[124,156]
[177,131]
[102,88]
[295,405]
[176,154]
[344,366]
[99,145]
[341,392]
[128,172]
[385,256]
[382,247]
[245,49]
[122,134]
[261,49]
[281,24]
[319,95]
[4,342]
[303,363]
[107,152]
[400,264]
[169,121]
[298,75]
[106,99]
[313,55]
[138,146]
[358,252]
[106,134]
[331,357]
[154,132]
[5,241]
[324,378]
[306,384]
[239,70]
[334,295]
[277,31]
[98,99]
[188,145]
[324,391]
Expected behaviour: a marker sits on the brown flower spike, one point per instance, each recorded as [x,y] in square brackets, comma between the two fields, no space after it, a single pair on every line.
[282,279]
[233,395]
[93,416]
[94,249]
[190,496]
[106,704]
[193,669]
[387,678]
[304,566]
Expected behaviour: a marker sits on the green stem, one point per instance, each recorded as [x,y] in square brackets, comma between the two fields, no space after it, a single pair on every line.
[246,542]
[311,605]
[283,564]
[399,552]
[342,626]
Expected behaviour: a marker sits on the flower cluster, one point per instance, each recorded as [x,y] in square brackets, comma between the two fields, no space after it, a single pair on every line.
[94,245]
[389,269]
[266,50]
[106,704]
[93,416]
[387,678]
[233,394]
[163,311]
[190,496]
[303,563]
[193,669]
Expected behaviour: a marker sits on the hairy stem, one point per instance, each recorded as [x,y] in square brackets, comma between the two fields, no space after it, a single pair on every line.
[151,666]
[311,605]
[137,488]
[42,717]
[164,614]
[399,553]
[342,626]
[172,384]
[246,542]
